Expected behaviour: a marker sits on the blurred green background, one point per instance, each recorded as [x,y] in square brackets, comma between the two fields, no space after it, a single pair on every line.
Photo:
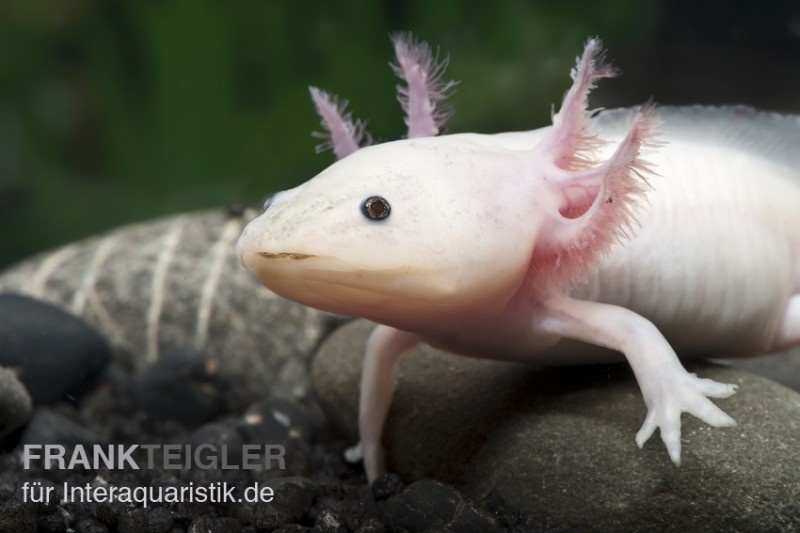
[115,111]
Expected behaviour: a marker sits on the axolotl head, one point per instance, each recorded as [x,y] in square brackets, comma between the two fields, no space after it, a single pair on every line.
[400,232]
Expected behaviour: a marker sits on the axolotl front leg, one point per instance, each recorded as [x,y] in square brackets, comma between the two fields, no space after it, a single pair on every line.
[385,347]
[668,389]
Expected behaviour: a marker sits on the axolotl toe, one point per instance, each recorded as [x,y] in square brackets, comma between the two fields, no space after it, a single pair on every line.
[644,231]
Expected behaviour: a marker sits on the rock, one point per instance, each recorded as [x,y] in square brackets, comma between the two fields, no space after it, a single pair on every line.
[90,525]
[208,523]
[292,504]
[182,388]
[387,486]
[54,354]
[559,443]
[218,435]
[175,284]
[20,513]
[16,515]
[781,367]
[133,521]
[276,421]
[16,405]
[50,427]
[428,505]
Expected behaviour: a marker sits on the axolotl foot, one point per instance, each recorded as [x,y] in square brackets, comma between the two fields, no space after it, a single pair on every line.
[683,392]
[372,455]
[354,454]
[668,389]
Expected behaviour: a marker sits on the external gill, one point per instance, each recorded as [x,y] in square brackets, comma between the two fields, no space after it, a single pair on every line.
[570,145]
[423,73]
[342,133]
[597,200]
[421,100]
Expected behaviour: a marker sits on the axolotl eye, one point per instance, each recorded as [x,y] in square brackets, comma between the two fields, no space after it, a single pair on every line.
[376,208]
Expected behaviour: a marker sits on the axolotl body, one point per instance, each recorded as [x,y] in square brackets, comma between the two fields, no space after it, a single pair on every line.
[643,231]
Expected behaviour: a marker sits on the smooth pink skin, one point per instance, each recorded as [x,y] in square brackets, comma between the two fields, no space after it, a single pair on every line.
[578,268]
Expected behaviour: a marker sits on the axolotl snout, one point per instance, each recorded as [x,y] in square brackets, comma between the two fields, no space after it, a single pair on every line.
[643,231]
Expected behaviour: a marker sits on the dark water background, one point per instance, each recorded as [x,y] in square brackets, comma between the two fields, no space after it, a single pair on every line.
[115,111]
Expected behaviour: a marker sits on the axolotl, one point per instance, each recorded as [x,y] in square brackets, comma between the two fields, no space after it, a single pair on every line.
[642,231]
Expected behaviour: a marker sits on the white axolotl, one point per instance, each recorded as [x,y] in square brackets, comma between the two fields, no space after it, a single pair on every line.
[512,246]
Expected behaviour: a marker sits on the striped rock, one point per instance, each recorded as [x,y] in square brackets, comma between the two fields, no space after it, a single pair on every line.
[175,284]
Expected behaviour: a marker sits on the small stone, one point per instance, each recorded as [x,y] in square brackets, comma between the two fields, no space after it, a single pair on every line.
[133,521]
[52,523]
[180,387]
[357,514]
[159,519]
[220,437]
[17,516]
[16,405]
[274,421]
[36,488]
[207,523]
[558,443]
[90,525]
[109,512]
[329,520]
[372,525]
[55,354]
[50,427]
[505,516]
[432,506]
[292,503]
[386,486]
[294,528]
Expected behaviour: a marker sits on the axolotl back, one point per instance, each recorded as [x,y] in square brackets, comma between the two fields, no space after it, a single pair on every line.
[641,231]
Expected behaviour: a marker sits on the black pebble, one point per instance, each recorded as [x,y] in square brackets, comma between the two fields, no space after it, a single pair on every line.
[50,427]
[133,520]
[17,516]
[275,421]
[56,355]
[180,387]
[217,525]
[15,402]
[292,504]
[218,435]
[90,525]
[428,505]
[387,486]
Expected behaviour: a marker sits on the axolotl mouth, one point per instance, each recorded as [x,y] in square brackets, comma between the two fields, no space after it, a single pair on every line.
[284,255]
[275,262]
[339,286]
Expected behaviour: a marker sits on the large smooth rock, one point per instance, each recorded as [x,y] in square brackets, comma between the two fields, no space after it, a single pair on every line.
[16,405]
[54,354]
[559,443]
[782,367]
[175,285]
